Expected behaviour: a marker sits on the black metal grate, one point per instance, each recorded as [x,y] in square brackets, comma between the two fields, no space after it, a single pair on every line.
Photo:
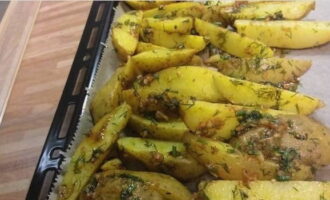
[74,95]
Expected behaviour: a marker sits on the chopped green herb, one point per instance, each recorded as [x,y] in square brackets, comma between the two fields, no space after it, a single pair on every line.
[174,152]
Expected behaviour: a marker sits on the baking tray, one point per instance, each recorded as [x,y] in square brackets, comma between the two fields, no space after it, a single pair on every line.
[94,63]
[73,99]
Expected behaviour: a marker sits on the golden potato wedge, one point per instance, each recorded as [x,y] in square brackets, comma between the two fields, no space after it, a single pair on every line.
[92,151]
[231,42]
[182,9]
[286,34]
[214,120]
[172,86]
[144,5]
[169,157]
[253,94]
[291,10]
[273,70]
[126,184]
[112,165]
[158,59]
[108,97]
[125,33]
[223,161]
[143,46]
[172,40]
[270,190]
[172,131]
[214,8]
[181,25]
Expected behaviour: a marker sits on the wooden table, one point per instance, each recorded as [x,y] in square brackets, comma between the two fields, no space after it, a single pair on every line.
[36,92]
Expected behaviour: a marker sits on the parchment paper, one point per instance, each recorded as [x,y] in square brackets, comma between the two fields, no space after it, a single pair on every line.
[315,83]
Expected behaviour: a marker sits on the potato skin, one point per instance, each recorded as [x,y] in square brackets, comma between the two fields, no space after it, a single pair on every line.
[181,25]
[158,59]
[149,185]
[143,46]
[125,33]
[232,42]
[286,34]
[290,10]
[166,156]
[270,190]
[144,5]
[170,131]
[223,161]
[271,70]
[172,40]
[215,120]
[92,151]
[107,98]
[182,9]
[253,94]
[171,87]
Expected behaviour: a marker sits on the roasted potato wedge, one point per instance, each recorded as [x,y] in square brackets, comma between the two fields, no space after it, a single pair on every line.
[214,8]
[92,151]
[113,164]
[231,42]
[270,190]
[217,121]
[268,70]
[298,139]
[182,9]
[158,59]
[169,157]
[144,5]
[181,25]
[107,98]
[286,34]
[125,184]
[223,161]
[143,46]
[171,87]
[272,10]
[173,40]
[125,33]
[171,131]
[253,94]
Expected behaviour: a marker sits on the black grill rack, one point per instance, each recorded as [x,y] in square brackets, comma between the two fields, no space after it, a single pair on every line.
[74,96]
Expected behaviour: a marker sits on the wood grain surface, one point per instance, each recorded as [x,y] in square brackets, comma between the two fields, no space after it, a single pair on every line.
[15,31]
[36,92]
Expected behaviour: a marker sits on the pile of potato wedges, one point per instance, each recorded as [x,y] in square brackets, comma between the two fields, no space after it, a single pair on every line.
[205,106]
